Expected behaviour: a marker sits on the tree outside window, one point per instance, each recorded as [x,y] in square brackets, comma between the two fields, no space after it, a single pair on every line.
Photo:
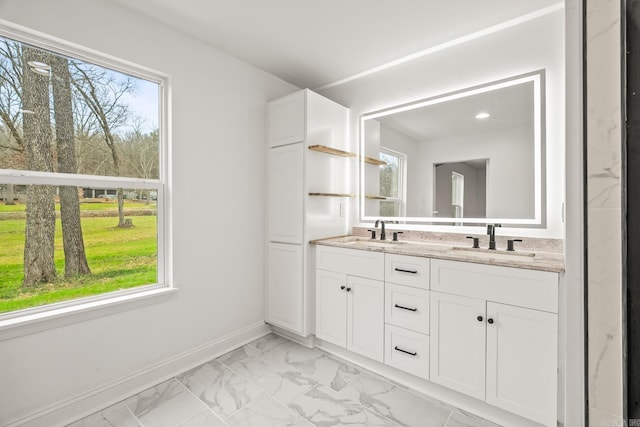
[80,157]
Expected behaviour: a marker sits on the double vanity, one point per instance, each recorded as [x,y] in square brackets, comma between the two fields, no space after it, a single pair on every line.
[456,317]
[475,327]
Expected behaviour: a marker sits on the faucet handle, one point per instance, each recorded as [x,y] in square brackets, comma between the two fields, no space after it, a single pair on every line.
[395,235]
[373,234]
[476,241]
[510,244]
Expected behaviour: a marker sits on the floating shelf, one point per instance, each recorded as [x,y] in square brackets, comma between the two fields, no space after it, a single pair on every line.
[332,194]
[373,161]
[329,150]
[374,197]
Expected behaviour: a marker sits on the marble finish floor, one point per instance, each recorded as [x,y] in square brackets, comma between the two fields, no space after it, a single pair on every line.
[275,382]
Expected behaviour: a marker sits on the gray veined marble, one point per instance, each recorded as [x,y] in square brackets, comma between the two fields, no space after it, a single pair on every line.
[325,407]
[266,412]
[278,379]
[274,382]
[166,404]
[220,388]
[117,415]
[315,364]
[203,419]
[395,403]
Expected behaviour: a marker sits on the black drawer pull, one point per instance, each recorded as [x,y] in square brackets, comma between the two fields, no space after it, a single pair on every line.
[406,308]
[396,348]
[406,271]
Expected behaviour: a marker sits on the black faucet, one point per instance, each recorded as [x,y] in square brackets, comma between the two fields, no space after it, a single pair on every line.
[383,235]
[491,231]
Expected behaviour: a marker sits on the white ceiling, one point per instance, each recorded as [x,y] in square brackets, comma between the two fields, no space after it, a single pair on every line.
[310,43]
[510,107]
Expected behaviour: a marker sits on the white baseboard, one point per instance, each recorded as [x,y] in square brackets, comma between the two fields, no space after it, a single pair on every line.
[92,401]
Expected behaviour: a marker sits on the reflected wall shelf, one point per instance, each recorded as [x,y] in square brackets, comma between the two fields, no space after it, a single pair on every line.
[373,161]
[329,150]
[332,194]
[367,196]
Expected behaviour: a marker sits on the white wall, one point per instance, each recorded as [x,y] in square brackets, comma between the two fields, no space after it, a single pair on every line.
[218,118]
[530,46]
[510,184]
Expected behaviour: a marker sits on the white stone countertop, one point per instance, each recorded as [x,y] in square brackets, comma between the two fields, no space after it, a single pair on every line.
[531,260]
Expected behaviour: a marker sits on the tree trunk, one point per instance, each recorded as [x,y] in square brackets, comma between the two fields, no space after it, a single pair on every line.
[75,259]
[121,221]
[9,195]
[41,218]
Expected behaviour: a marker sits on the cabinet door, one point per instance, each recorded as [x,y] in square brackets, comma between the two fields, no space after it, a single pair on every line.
[286,119]
[285,286]
[331,307]
[365,323]
[286,194]
[458,343]
[522,361]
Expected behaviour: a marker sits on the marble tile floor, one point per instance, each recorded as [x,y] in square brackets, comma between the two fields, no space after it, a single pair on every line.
[275,382]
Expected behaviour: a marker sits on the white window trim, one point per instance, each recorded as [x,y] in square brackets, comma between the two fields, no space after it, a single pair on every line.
[27,321]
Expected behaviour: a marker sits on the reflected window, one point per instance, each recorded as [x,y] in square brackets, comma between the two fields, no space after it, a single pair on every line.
[392,177]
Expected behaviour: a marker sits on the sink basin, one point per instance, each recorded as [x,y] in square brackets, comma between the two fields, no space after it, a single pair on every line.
[374,243]
[494,254]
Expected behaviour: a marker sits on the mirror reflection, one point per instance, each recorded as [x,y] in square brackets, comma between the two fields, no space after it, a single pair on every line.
[472,156]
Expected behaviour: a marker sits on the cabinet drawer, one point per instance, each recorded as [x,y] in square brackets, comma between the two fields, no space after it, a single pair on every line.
[515,286]
[407,307]
[407,270]
[351,261]
[407,351]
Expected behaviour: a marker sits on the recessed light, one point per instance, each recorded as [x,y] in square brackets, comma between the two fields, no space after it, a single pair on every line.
[483,115]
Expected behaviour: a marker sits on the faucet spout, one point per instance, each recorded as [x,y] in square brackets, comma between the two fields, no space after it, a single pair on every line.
[383,235]
[491,231]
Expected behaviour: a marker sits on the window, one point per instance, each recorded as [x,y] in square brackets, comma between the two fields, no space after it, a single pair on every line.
[392,176]
[82,183]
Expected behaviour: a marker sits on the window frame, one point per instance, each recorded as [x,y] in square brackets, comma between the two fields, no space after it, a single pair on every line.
[402,178]
[29,320]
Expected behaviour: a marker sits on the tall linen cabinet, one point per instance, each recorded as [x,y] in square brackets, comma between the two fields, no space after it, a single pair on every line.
[308,173]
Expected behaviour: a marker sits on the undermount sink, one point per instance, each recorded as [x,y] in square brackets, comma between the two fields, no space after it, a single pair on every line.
[374,243]
[495,254]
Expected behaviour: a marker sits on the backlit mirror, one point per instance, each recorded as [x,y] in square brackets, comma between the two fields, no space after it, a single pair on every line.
[474,156]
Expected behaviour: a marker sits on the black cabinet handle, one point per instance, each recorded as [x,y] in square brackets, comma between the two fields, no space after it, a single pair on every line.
[342,287]
[490,321]
[406,271]
[348,289]
[396,348]
[479,318]
[406,308]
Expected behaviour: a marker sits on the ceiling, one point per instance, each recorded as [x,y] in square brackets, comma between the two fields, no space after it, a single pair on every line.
[509,107]
[311,43]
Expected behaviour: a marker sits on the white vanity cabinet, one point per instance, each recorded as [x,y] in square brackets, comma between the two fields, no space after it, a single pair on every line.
[350,299]
[295,172]
[494,336]
[407,314]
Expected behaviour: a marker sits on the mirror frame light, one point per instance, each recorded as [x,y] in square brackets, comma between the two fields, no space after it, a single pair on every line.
[538,220]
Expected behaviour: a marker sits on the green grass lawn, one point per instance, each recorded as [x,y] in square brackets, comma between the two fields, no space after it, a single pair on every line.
[99,206]
[119,258]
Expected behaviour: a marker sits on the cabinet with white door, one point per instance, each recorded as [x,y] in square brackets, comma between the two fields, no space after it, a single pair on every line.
[494,333]
[296,123]
[350,308]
